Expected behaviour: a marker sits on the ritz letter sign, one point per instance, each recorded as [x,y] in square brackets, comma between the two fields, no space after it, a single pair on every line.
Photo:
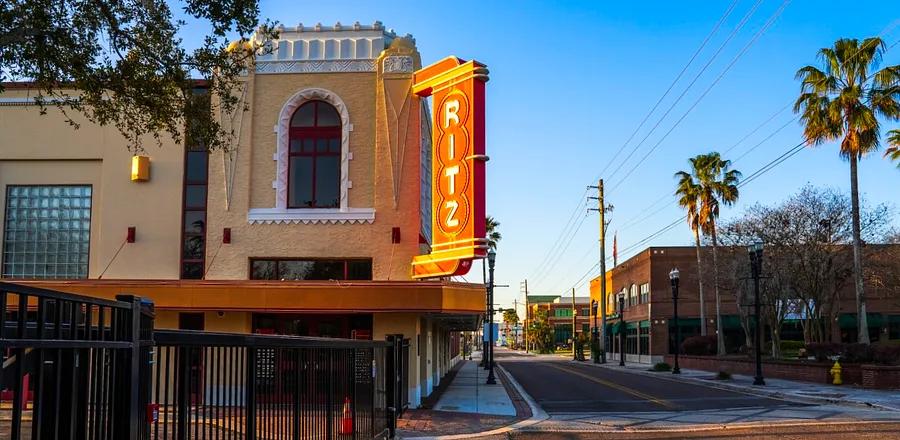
[457,166]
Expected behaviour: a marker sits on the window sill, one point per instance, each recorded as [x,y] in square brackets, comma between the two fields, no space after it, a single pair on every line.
[311,216]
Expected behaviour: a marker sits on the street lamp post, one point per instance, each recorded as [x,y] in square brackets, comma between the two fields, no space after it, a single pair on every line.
[756,250]
[622,330]
[673,276]
[492,257]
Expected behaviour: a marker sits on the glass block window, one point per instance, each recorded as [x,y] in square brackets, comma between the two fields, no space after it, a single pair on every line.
[47,231]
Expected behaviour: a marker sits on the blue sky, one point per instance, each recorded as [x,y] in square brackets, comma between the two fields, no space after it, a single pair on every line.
[570,81]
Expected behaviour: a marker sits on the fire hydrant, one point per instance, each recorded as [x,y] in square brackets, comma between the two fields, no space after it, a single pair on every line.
[836,372]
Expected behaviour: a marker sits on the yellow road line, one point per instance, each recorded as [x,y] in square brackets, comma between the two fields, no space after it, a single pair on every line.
[624,389]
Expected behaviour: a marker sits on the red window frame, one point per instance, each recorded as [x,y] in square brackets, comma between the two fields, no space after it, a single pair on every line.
[315,133]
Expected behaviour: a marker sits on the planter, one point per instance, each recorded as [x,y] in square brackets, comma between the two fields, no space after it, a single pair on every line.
[869,376]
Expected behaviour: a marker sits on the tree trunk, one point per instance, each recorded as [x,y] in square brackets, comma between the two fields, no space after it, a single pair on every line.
[700,283]
[720,333]
[862,324]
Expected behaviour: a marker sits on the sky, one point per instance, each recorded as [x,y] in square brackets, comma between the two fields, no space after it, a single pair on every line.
[571,81]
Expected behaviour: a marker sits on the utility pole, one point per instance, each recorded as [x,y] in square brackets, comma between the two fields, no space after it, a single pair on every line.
[602,209]
[574,324]
[525,320]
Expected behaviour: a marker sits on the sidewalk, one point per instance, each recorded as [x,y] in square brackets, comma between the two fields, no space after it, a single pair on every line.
[467,405]
[778,388]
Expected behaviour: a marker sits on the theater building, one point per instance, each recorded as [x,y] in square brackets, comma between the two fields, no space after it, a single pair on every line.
[306,224]
[643,283]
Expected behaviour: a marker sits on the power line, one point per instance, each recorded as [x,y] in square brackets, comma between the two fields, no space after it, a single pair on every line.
[790,152]
[696,53]
[746,47]
[684,69]
[697,76]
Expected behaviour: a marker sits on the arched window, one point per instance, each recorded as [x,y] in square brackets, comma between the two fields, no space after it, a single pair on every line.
[314,157]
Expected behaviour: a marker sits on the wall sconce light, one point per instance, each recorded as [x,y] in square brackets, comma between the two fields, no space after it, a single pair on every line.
[132,232]
[140,168]
[226,236]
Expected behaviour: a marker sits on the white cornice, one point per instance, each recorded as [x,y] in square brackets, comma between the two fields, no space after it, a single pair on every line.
[311,216]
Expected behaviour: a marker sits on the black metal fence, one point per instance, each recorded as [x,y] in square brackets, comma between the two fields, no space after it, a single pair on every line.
[75,367]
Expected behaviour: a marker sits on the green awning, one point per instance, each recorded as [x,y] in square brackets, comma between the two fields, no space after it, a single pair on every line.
[894,319]
[614,328]
[848,320]
[685,322]
[631,325]
[731,322]
[646,324]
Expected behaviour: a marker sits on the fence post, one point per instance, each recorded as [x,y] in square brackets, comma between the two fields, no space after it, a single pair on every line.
[250,393]
[129,423]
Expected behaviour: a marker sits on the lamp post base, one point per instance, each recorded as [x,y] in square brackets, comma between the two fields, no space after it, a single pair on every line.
[758,380]
[490,379]
[676,370]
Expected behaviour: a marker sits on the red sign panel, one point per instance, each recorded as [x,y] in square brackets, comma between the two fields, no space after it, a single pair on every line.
[457,167]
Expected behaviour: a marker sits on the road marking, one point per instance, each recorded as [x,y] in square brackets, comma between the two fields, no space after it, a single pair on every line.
[623,388]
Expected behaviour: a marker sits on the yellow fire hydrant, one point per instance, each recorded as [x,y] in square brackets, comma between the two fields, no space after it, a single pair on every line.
[836,372]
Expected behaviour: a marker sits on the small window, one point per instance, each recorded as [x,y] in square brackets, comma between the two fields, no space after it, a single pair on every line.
[634,295]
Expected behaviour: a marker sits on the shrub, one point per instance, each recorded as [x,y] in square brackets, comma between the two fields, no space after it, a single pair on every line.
[662,366]
[857,353]
[792,345]
[886,353]
[699,345]
[723,375]
[822,350]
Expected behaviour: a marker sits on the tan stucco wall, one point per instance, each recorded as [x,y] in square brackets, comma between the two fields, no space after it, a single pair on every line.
[371,172]
[44,149]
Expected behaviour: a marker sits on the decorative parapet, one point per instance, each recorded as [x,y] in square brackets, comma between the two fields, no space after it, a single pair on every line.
[328,49]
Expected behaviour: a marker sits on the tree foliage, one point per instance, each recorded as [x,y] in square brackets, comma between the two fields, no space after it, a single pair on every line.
[122,62]
[491,231]
[540,335]
[510,316]
[710,183]
[807,260]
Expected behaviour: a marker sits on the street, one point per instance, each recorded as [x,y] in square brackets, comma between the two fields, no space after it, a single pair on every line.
[583,400]
[560,386]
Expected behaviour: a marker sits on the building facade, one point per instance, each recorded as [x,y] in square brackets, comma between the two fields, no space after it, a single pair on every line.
[643,284]
[560,313]
[306,224]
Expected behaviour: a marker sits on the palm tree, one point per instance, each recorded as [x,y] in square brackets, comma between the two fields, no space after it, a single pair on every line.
[688,192]
[842,101]
[894,151]
[712,182]
[491,233]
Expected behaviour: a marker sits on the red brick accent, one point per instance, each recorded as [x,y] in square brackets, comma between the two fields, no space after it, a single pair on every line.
[880,377]
[868,376]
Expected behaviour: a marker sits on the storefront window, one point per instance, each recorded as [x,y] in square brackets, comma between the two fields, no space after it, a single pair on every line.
[310,269]
[47,232]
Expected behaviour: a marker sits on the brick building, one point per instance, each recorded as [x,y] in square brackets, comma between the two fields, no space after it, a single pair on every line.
[560,313]
[643,282]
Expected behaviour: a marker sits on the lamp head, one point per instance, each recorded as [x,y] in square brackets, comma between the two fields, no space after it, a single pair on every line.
[492,257]
[674,274]
[755,247]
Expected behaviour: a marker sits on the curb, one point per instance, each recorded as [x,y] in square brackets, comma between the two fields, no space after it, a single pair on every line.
[757,392]
[537,415]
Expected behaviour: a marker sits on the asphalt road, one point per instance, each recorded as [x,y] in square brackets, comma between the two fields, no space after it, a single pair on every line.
[837,431]
[561,386]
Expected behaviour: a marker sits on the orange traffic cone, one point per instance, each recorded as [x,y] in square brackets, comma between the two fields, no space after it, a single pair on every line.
[346,418]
